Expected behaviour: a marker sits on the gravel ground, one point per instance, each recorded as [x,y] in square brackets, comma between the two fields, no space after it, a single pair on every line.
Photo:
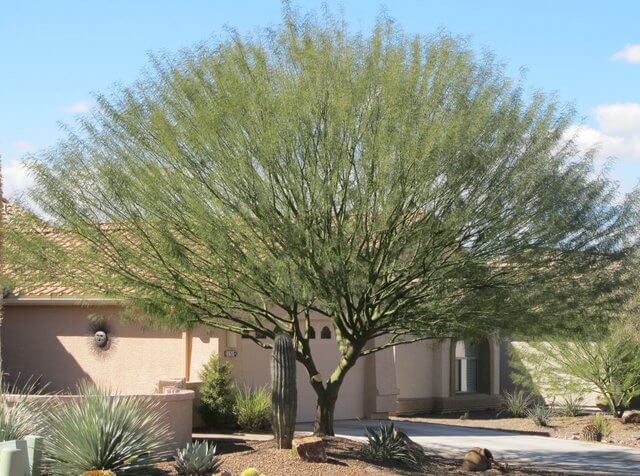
[238,456]
[560,427]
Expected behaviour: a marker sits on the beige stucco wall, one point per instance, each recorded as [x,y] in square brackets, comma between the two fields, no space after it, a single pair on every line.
[53,341]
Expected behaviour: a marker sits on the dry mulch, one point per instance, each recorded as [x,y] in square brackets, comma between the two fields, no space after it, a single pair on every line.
[237,456]
[560,427]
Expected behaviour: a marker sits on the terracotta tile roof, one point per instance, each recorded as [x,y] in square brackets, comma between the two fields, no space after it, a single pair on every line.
[30,286]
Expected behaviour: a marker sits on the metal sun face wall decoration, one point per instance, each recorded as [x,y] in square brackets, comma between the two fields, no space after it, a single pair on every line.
[101,339]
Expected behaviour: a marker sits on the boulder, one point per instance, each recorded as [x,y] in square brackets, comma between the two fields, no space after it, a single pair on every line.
[477,459]
[631,417]
[311,449]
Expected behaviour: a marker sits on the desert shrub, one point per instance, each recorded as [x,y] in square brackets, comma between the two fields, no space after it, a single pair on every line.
[515,404]
[570,406]
[540,413]
[606,361]
[217,393]
[252,408]
[22,416]
[387,446]
[124,434]
[603,425]
[197,459]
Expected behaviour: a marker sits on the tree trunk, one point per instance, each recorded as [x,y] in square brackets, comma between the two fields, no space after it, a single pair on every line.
[323,424]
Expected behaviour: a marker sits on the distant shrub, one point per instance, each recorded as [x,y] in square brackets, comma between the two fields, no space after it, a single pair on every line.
[516,404]
[197,459]
[217,393]
[540,413]
[570,406]
[252,408]
[603,425]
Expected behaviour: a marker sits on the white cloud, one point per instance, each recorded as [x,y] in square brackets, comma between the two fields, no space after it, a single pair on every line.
[78,107]
[15,179]
[630,54]
[617,133]
[24,147]
[620,118]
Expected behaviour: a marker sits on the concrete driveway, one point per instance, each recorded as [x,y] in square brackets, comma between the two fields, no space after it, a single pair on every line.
[523,450]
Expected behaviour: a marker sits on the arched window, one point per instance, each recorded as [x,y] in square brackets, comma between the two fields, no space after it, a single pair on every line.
[325,333]
[312,332]
[466,369]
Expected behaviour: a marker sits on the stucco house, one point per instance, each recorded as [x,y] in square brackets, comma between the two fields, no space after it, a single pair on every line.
[47,333]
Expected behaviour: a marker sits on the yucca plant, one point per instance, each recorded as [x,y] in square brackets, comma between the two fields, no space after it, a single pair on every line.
[252,408]
[122,433]
[540,413]
[570,407]
[385,445]
[21,415]
[197,459]
[515,404]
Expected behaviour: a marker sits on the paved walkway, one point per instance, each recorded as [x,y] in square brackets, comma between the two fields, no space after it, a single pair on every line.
[524,450]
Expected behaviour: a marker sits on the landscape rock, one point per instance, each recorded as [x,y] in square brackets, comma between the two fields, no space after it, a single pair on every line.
[631,417]
[477,459]
[311,449]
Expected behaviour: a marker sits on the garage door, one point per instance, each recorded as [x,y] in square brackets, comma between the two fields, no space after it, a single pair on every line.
[251,367]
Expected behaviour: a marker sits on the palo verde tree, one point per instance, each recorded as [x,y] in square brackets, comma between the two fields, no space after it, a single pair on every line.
[400,186]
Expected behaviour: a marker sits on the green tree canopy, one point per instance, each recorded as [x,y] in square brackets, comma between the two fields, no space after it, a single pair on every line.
[399,185]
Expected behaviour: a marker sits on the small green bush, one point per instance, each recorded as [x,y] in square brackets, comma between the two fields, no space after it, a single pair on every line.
[388,447]
[540,413]
[197,459]
[217,394]
[252,408]
[124,434]
[570,406]
[516,404]
[603,425]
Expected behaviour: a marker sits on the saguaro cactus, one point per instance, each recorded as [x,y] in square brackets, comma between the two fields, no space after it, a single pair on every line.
[284,394]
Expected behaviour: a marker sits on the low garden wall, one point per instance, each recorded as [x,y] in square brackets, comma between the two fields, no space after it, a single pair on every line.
[178,410]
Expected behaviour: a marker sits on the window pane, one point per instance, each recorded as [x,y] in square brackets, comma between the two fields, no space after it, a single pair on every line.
[458,375]
[472,375]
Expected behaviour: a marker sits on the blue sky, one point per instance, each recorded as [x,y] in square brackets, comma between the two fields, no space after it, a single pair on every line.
[55,55]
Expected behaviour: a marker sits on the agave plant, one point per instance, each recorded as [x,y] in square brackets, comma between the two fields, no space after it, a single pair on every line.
[541,414]
[387,446]
[21,414]
[197,459]
[516,404]
[121,433]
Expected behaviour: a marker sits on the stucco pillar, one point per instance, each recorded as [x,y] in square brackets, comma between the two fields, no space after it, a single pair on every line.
[381,391]
[494,359]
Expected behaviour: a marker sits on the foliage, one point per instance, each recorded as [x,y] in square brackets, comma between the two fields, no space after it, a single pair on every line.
[197,459]
[123,433]
[571,406]
[252,408]
[386,446]
[515,404]
[540,413]
[607,361]
[400,186]
[217,393]
[603,425]
[21,415]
